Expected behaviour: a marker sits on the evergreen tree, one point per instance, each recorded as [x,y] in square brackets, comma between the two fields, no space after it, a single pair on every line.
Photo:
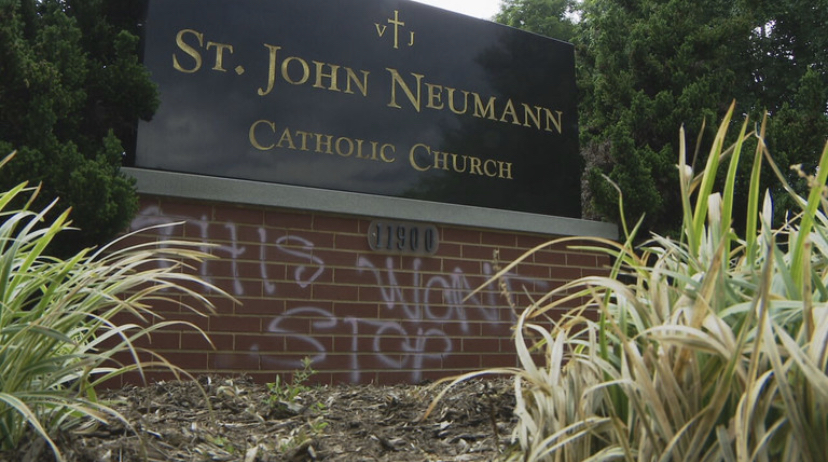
[790,49]
[71,92]
[550,18]
[648,67]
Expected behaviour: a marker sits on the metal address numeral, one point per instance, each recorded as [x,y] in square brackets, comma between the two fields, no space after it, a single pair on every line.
[403,238]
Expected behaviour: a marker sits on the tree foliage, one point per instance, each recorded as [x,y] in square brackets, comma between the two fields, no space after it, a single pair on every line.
[790,47]
[71,90]
[548,17]
[648,67]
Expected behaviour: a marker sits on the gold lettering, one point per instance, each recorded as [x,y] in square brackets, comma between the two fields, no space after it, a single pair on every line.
[252,135]
[486,164]
[506,170]
[396,23]
[444,163]
[339,147]
[439,96]
[380,29]
[556,122]
[412,157]
[451,101]
[459,163]
[297,71]
[484,112]
[474,169]
[304,136]
[359,148]
[220,47]
[332,76]
[353,78]
[534,116]
[326,144]
[286,137]
[305,70]
[454,163]
[373,155]
[271,73]
[435,94]
[510,110]
[382,153]
[192,52]
[298,140]
[396,79]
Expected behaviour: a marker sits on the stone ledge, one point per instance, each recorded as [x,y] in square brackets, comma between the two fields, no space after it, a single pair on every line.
[296,197]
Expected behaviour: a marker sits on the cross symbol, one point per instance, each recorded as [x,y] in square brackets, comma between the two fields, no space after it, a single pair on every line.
[396,23]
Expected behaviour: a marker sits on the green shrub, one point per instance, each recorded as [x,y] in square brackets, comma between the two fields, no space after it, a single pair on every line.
[73,89]
[59,336]
[713,348]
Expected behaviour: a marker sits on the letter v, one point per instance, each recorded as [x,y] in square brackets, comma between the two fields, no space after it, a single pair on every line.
[380,29]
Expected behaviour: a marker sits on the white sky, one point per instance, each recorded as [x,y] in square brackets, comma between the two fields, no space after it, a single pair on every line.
[485,9]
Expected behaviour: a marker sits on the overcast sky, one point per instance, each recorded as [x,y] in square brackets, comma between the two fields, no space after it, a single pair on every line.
[485,9]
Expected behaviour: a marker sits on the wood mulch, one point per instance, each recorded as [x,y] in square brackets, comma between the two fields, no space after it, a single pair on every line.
[170,421]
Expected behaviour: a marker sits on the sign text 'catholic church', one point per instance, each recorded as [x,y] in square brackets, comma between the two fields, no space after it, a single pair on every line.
[385,97]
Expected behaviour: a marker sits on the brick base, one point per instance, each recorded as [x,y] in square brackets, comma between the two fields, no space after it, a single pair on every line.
[308,285]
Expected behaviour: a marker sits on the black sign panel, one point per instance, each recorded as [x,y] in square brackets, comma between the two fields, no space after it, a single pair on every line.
[387,97]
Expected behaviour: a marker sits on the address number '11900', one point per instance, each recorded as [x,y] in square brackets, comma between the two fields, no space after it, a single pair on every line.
[403,238]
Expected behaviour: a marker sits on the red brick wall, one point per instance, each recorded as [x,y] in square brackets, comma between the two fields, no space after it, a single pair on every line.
[308,285]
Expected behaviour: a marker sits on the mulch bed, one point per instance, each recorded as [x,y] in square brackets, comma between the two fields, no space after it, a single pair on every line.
[170,421]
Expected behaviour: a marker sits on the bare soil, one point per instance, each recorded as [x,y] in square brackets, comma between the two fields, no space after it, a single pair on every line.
[171,421]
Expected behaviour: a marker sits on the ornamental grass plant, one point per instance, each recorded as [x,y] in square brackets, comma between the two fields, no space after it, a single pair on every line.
[62,325]
[713,347]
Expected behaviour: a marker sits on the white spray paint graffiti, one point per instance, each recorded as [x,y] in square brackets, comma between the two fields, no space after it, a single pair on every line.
[299,272]
[410,336]
[269,286]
